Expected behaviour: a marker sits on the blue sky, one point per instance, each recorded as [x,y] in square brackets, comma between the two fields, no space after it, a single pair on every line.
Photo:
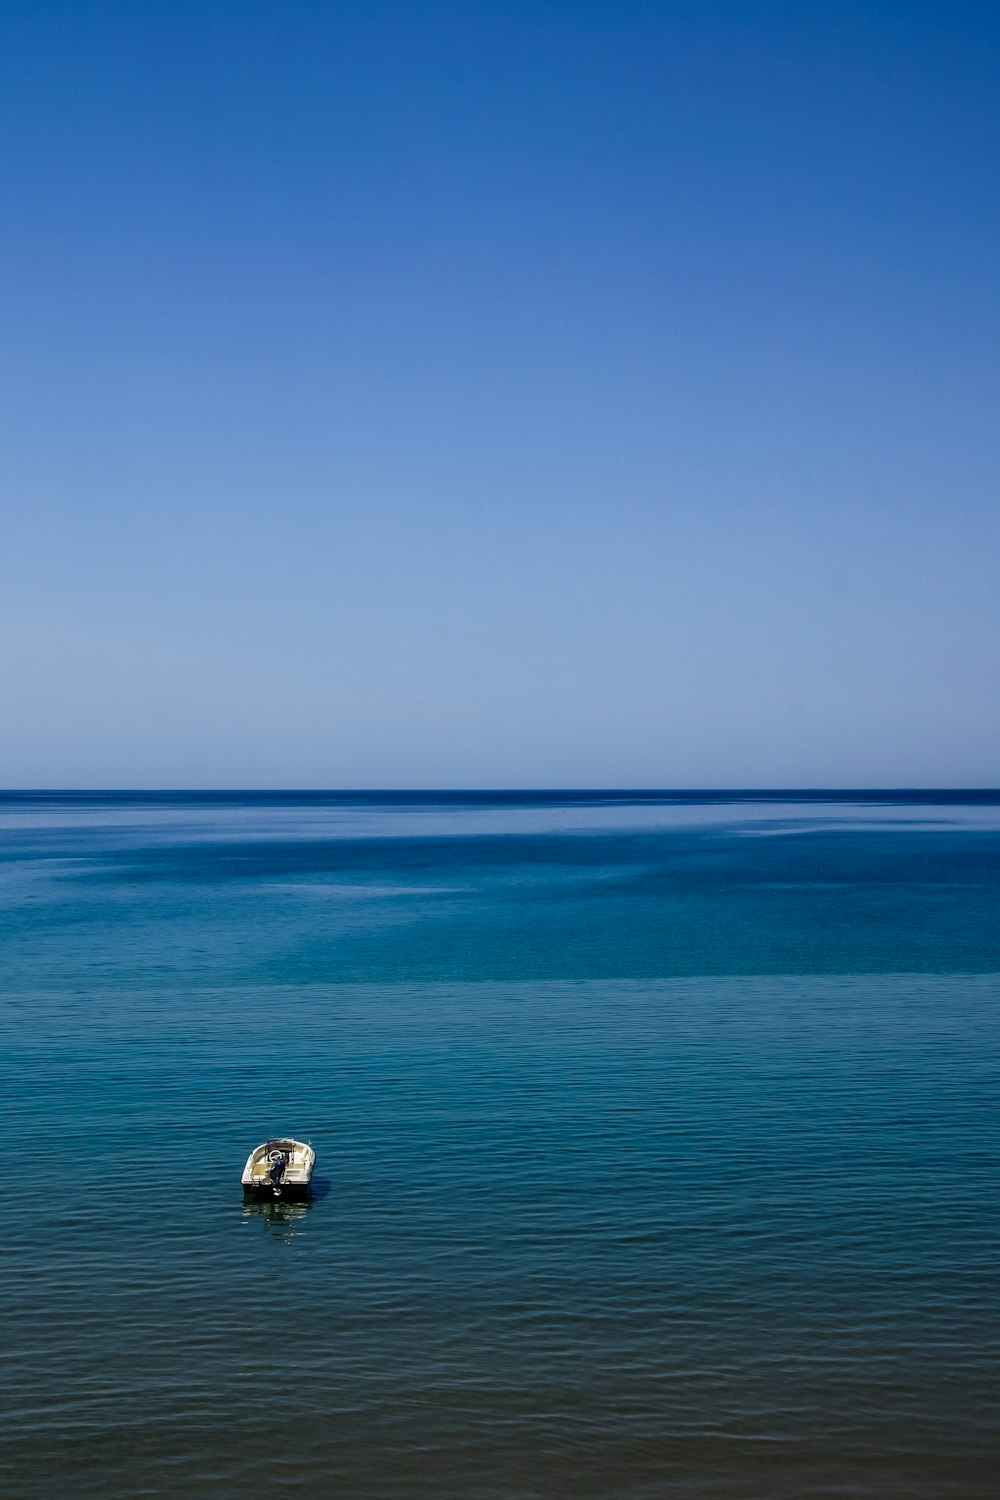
[499,395]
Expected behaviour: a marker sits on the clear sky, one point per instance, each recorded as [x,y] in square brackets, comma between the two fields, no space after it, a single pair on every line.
[499,394]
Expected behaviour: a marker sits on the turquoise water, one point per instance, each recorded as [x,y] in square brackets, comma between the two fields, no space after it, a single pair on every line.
[657,1139]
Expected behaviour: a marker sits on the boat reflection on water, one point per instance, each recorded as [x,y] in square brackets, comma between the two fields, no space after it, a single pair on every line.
[284,1217]
[281,1217]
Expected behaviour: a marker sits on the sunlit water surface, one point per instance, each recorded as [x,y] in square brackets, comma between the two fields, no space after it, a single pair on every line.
[657,1147]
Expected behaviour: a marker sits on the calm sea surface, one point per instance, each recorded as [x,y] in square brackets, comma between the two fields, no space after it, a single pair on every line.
[657,1138]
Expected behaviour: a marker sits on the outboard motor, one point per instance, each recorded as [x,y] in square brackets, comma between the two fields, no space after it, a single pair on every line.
[279,1161]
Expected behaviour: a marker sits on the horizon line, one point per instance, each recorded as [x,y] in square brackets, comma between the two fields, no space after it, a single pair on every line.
[500,791]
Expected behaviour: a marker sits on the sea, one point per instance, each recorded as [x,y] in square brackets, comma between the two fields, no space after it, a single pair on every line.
[657,1146]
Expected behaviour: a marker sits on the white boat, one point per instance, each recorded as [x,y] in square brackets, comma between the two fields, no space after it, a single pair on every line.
[280,1168]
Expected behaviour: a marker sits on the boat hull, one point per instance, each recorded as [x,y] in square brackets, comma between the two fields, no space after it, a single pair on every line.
[287,1192]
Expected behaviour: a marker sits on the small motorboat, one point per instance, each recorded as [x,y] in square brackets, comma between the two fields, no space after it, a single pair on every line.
[280,1168]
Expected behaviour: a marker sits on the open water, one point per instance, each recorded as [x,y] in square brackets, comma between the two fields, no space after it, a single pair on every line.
[657,1136]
